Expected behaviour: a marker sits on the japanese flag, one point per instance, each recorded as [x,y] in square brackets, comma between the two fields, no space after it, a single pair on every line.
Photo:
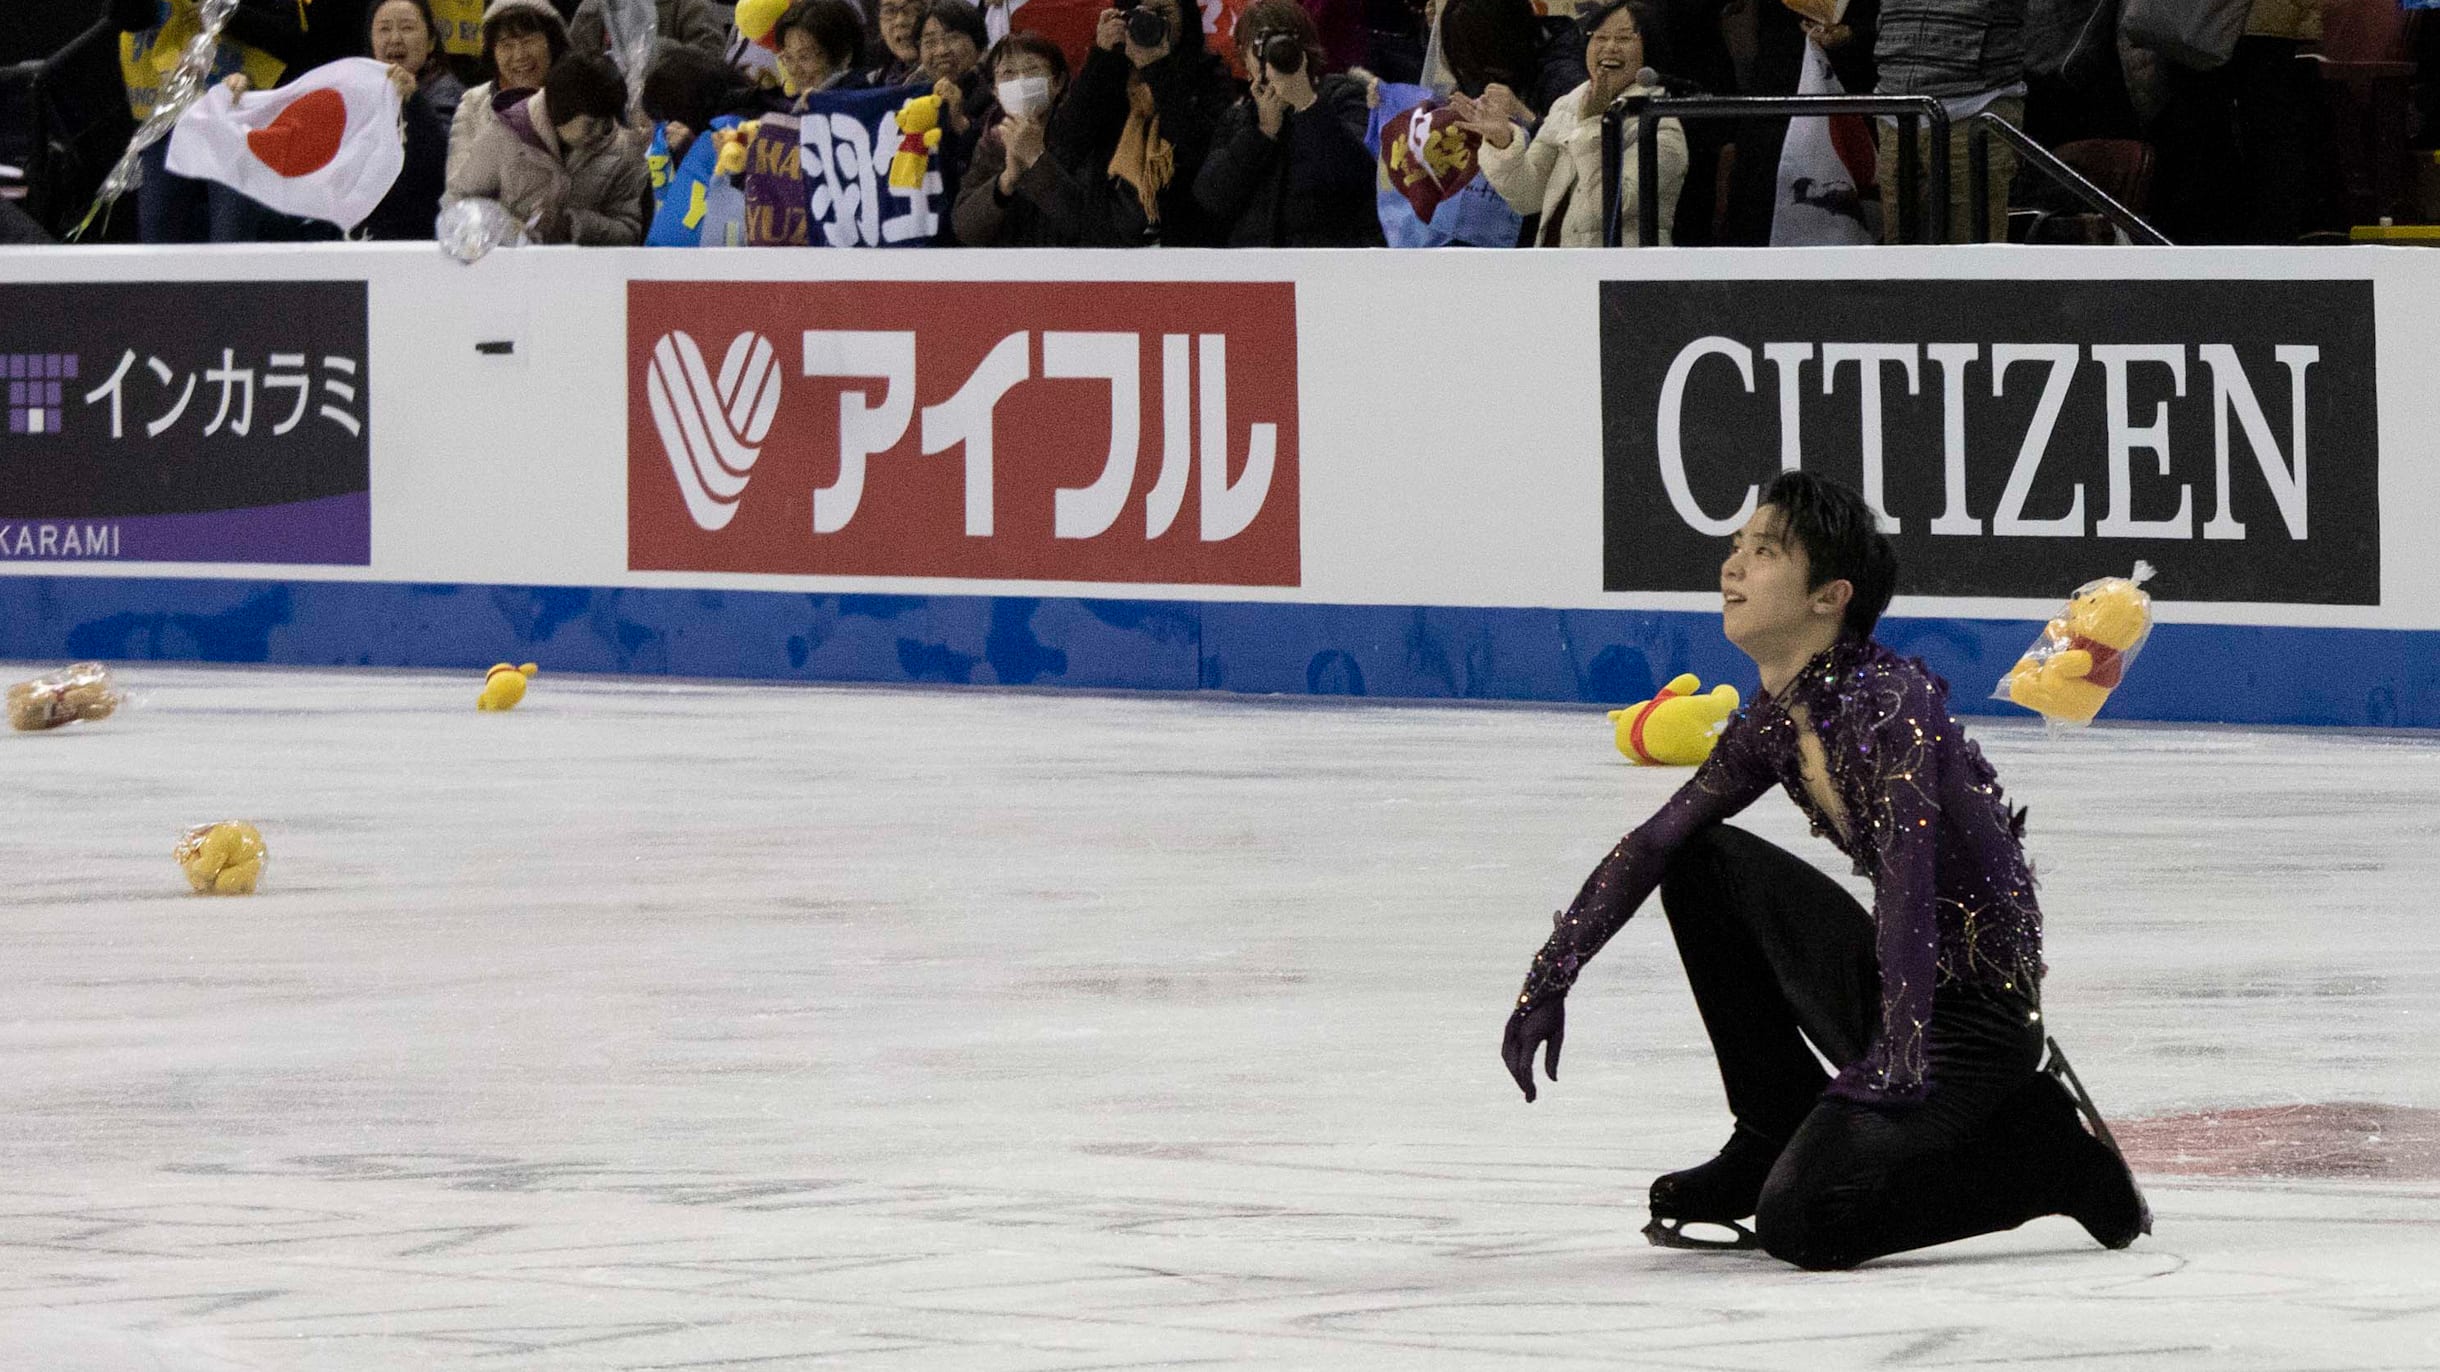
[325,146]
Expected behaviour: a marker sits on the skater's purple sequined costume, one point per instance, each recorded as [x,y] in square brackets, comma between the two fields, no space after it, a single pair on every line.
[1925,821]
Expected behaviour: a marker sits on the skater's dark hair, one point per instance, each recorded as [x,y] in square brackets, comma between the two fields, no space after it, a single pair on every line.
[1842,541]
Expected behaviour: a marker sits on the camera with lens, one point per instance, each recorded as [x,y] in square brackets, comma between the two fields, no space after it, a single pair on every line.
[1281,51]
[1145,28]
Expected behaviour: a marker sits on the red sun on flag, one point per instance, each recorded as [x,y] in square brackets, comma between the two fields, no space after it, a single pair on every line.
[305,136]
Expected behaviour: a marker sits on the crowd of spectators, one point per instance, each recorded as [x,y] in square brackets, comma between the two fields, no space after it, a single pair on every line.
[1150,137]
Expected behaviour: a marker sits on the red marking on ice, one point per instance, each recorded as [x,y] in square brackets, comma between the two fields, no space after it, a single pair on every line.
[305,136]
[2346,1139]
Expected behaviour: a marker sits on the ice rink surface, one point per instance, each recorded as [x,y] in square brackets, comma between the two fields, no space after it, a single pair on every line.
[658,1025]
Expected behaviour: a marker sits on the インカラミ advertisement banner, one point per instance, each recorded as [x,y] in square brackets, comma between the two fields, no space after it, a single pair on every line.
[1139,432]
[172,421]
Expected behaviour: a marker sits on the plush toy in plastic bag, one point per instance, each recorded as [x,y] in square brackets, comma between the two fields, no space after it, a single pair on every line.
[83,691]
[2084,653]
[224,859]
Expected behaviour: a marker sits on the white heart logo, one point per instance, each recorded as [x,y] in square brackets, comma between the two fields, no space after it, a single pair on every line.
[713,431]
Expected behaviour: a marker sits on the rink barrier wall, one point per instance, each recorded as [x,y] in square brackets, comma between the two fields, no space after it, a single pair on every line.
[1527,507]
[2231,674]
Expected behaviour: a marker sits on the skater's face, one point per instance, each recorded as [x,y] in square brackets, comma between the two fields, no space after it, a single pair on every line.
[1765,606]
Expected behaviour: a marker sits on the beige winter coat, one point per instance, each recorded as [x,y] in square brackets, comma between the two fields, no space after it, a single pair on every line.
[1557,174]
[474,108]
[517,160]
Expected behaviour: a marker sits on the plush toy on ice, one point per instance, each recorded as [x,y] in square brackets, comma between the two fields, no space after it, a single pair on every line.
[1677,727]
[504,686]
[2084,653]
[224,859]
[83,691]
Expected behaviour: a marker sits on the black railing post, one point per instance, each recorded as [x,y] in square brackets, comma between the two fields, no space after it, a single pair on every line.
[1910,179]
[1914,115]
[1647,173]
[1978,181]
[1936,124]
[1613,153]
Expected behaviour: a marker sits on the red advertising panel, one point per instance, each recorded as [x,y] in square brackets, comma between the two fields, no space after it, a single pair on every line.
[1047,431]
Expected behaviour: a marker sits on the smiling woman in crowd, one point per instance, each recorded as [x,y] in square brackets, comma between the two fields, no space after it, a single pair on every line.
[1556,171]
[522,41]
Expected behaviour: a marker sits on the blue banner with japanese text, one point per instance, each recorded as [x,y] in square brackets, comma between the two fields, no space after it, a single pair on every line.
[174,421]
[868,182]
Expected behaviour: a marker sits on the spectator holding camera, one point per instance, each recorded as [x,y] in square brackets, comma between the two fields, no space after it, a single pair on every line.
[1134,131]
[1014,195]
[560,160]
[1557,172]
[1288,166]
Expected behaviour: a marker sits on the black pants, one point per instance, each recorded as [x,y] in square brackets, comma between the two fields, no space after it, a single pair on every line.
[1777,953]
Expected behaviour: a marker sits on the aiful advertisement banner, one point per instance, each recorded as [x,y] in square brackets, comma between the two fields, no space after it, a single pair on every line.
[1110,432]
[186,422]
[2017,437]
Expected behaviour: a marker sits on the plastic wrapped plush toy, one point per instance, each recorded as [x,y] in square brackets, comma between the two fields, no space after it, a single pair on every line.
[2084,653]
[224,859]
[1677,727]
[83,691]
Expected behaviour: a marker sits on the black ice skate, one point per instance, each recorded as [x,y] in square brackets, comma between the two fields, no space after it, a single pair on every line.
[1722,1193]
[2105,1200]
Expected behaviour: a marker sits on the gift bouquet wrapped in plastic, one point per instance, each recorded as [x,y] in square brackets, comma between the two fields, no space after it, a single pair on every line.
[83,691]
[2084,653]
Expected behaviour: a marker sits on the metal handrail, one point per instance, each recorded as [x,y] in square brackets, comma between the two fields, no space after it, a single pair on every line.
[1978,177]
[1905,108]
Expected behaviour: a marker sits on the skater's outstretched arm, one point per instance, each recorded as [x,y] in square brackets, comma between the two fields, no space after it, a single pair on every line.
[1904,778]
[1733,777]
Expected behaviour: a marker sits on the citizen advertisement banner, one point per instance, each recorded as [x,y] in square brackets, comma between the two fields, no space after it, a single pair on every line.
[2018,438]
[1065,431]
[175,421]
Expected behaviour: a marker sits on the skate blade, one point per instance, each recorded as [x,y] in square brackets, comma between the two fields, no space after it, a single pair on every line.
[1672,1233]
[2059,1068]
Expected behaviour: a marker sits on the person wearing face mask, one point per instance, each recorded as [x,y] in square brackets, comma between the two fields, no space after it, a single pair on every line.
[560,161]
[1136,128]
[1014,195]
[1555,171]
[1288,166]
[522,39]
[900,49]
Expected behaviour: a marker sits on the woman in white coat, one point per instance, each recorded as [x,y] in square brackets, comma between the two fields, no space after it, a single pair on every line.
[1555,171]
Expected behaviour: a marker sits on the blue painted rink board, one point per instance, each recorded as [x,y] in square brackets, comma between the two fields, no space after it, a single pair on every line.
[2188,672]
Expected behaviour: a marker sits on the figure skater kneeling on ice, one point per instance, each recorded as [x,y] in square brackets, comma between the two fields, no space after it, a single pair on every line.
[1943,1120]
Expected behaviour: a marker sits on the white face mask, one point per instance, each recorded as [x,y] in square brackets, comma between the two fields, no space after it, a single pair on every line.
[1026,96]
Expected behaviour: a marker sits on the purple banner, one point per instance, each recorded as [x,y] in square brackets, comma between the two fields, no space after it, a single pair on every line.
[333,531]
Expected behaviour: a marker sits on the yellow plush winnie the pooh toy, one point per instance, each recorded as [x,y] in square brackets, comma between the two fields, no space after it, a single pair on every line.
[224,859]
[2083,654]
[1677,727]
[919,138]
